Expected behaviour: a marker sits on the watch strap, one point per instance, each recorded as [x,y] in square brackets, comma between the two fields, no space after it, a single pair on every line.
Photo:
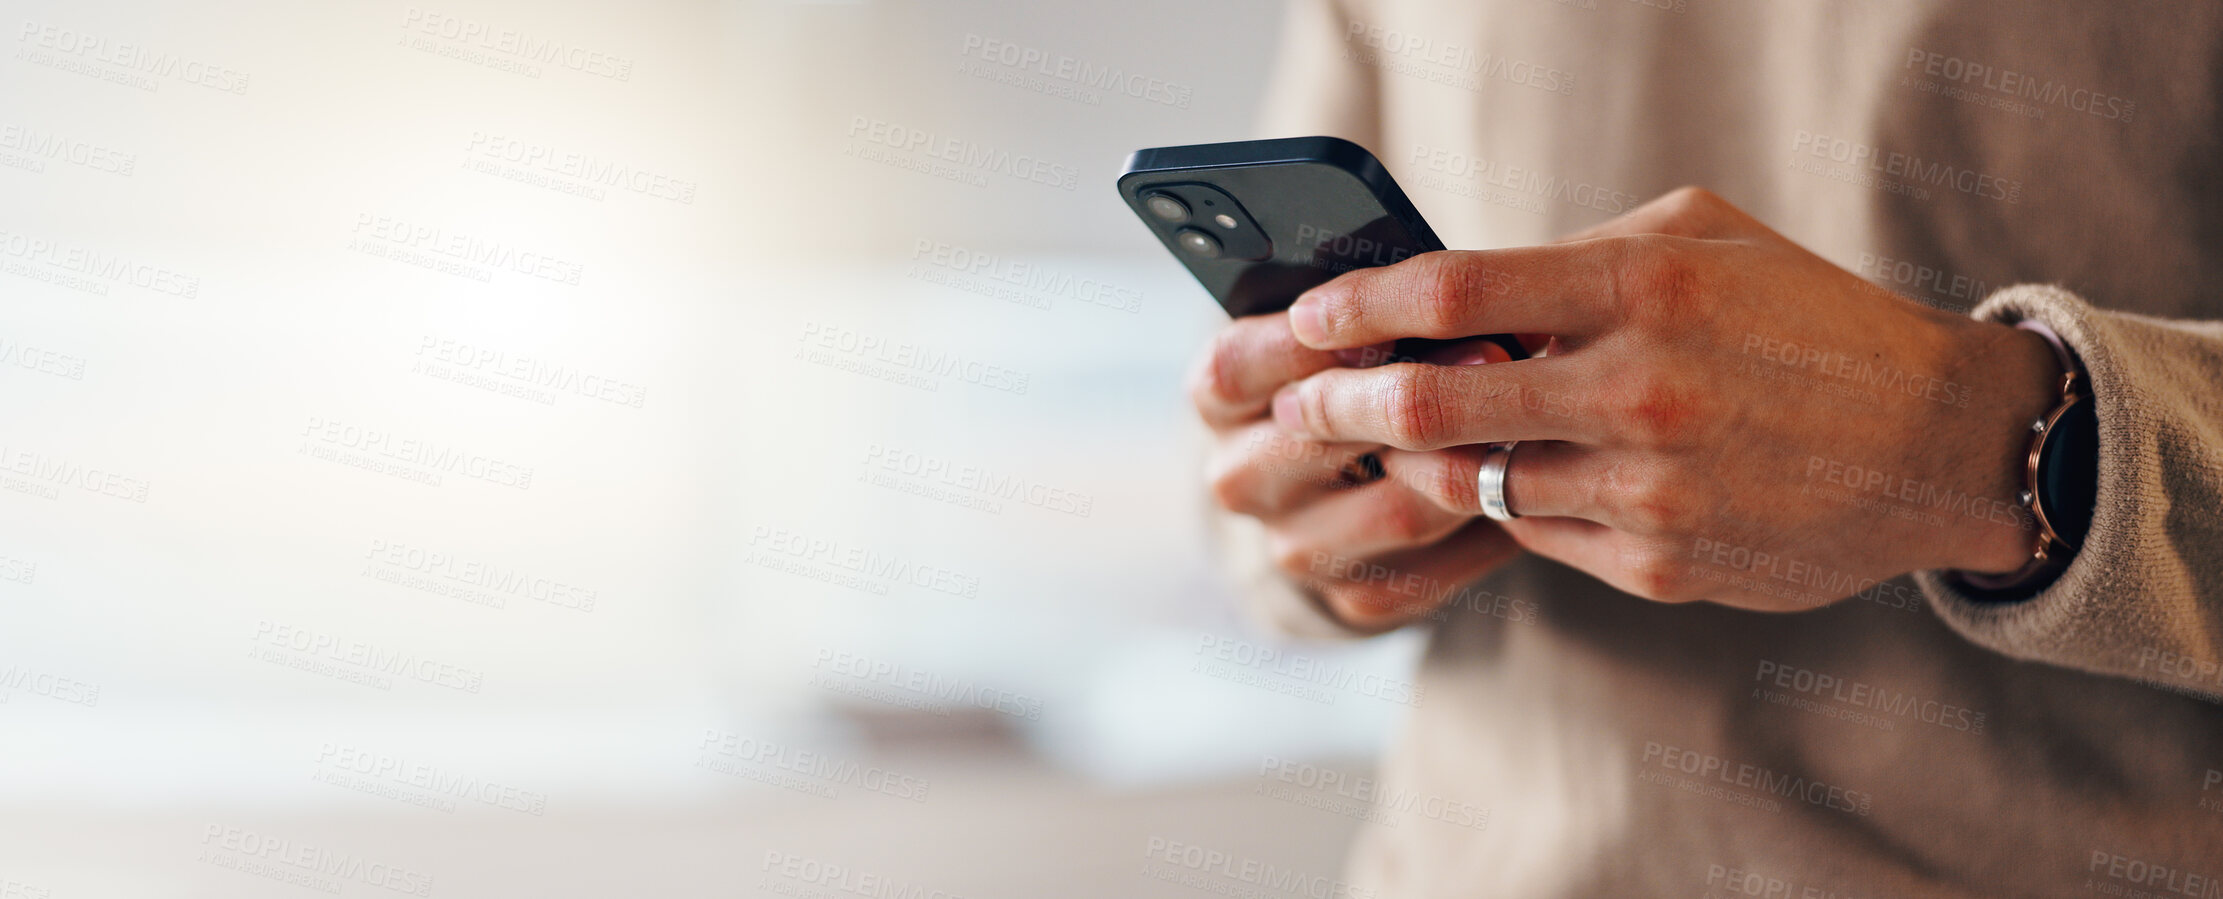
[2060,476]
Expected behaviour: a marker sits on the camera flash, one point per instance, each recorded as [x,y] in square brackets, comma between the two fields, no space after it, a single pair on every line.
[1224,220]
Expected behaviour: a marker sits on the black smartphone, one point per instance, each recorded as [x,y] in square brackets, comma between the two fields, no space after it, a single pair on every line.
[1260,221]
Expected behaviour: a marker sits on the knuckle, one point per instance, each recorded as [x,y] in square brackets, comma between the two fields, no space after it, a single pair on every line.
[1656,279]
[1451,483]
[1693,197]
[1291,554]
[1218,381]
[1313,408]
[1414,414]
[1693,211]
[1654,506]
[1438,295]
[1403,520]
[1342,311]
[1366,606]
[1660,575]
[1611,488]
[1656,410]
[1235,488]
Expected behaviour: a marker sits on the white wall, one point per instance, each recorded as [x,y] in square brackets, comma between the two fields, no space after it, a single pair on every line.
[223,271]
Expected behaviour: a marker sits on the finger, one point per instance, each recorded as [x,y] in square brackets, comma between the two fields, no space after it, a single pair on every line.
[1563,289]
[1394,588]
[1246,362]
[1647,567]
[1365,521]
[1542,478]
[1589,546]
[1424,407]
[1262,471]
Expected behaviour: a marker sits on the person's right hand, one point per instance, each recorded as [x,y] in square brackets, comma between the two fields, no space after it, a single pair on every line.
[1376,553]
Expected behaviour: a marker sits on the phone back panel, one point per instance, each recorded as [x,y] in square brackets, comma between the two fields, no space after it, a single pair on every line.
[1326,205]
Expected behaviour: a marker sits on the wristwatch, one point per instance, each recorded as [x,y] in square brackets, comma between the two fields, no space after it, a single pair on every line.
[2060,478]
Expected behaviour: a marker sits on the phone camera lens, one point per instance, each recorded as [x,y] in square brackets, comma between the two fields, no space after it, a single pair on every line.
[1198,242]
[1168,207]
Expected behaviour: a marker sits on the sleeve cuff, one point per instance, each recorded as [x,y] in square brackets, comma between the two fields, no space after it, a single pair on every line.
[2118,607]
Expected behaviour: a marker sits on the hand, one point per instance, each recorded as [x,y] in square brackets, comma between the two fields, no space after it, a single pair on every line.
[1377,554]
[1723,415]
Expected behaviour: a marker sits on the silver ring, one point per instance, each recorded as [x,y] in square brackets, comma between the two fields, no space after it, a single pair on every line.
[1490,483]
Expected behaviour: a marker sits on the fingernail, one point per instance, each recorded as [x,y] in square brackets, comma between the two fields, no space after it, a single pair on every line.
[1306,318]
[1286,413]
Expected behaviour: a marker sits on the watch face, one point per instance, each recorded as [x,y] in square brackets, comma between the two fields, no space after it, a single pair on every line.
[2068,472]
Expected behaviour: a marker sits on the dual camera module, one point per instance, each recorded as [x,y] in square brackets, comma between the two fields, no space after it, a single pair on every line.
[1205,223]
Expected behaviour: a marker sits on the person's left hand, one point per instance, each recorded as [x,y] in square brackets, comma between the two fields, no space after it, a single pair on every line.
[1721,415]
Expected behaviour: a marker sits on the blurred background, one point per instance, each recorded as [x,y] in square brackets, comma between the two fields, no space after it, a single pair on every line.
[557,449]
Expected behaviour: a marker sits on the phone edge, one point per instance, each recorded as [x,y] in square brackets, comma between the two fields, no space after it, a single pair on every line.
[1335,151]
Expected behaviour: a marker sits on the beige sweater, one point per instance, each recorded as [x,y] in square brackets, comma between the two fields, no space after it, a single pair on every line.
[1910,741]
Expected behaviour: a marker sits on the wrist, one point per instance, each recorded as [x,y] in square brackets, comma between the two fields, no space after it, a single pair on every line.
[2020,382]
